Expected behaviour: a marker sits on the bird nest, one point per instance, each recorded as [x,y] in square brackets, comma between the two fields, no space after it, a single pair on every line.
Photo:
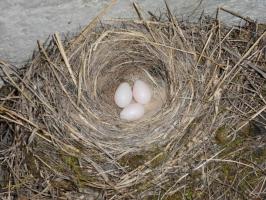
[61,132]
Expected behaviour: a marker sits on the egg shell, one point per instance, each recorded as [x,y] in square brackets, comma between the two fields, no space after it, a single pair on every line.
[123,95]
[132,112]
[141,92]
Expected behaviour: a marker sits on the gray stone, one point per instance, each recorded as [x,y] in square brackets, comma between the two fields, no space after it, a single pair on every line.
[22,22]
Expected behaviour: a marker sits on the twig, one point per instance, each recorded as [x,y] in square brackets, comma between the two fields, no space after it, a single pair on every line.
[236,14]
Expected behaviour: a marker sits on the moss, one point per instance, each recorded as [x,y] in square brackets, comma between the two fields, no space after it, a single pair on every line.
[244,150]
[259,155]
[189,194]
[79,176]
[242,179]
[261,27]
[228,172]
[4,176]
[71,161]
[220,135]
[196,174]
[160,158]
[174,197]
[232,146]
[243,147]
[134,160]
[21,183]
[63,184]
[144,186]
[225,170]
[246,131]
[169,197]
[31,163]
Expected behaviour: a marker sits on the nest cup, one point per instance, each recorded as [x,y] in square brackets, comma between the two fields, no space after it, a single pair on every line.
[127,56]
[65,126]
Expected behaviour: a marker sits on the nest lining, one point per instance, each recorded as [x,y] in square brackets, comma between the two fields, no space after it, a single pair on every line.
[66,129]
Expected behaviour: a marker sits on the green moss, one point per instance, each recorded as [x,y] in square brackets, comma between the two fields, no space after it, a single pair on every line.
[261,27]
[173,197]
[189,194]
[246,131]
[132,160]
[144,186]
[63,184]
[170,197]
[225,170]
[159,159]
[31,163]
[259,155]
[242,149]
[196,174]
[228,172]
[154,157]
[4,176]
[70,161]
[79,176]
[232,147]
[220,135]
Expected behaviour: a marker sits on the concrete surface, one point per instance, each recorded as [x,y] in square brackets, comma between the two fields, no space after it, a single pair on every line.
[22,22]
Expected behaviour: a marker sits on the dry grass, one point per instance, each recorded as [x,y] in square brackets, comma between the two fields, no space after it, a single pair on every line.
[61,133]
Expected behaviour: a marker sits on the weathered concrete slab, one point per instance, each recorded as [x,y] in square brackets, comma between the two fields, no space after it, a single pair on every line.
[22,22]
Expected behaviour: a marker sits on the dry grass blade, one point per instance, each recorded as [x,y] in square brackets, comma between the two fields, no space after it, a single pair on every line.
[63,53]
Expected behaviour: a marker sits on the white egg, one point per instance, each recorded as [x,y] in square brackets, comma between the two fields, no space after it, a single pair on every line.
[132,112]
[123,95]
[141,92]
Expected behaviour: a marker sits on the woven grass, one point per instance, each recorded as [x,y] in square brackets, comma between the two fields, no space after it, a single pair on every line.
[62,137]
